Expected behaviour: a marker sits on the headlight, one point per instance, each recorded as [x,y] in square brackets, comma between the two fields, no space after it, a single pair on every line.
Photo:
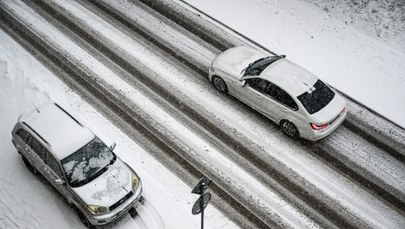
[96,209]
[135,182]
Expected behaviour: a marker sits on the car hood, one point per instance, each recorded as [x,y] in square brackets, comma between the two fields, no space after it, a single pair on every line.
[331,111]
[109,187]
[234,60]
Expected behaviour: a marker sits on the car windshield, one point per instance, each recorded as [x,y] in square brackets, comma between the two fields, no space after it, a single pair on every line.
[318,98]
[88,163]
[259,65]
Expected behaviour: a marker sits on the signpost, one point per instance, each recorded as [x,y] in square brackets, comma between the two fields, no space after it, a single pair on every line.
[204,199]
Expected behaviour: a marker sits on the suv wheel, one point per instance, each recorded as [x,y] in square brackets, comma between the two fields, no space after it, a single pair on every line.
[84,219]
[29,166]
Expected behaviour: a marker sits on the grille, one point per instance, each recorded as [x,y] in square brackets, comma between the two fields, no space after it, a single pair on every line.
[125,198]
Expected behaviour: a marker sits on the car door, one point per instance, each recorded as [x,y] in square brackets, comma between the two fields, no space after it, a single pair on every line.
[251,92]
[278,103]
[36,154]
[53,172]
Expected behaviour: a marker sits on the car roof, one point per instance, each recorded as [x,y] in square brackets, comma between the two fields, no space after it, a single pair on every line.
[63,133]
[289,76]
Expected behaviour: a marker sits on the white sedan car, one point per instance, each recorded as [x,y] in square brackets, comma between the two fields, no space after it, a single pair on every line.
[281,90]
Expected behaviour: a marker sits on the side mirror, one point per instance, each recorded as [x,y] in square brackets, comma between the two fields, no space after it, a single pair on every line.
[112,146]
[243,83]
[59,181]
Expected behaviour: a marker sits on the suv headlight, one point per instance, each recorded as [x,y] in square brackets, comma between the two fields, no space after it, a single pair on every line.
[135,182]
[97,209]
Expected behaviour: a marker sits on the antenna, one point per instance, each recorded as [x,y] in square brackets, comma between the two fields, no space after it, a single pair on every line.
[35,107]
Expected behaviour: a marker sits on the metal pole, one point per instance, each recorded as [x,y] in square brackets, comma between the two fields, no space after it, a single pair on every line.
[202,208]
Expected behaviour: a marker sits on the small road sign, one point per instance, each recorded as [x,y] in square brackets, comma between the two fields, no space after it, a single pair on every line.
[201,203]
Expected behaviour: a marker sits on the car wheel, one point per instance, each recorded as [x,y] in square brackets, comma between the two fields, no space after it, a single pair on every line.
[29,166]
[84,219]
[219,84]
[289,129]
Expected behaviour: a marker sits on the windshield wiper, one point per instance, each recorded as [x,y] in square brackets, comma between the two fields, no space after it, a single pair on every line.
[251,64]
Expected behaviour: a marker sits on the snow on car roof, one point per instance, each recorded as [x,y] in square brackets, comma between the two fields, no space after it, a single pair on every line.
[289,76]
[58,128]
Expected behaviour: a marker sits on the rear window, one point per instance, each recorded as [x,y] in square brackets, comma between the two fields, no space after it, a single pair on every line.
[318,98]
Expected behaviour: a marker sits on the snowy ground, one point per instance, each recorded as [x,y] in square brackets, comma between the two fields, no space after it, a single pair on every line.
[363,67]
[384,20]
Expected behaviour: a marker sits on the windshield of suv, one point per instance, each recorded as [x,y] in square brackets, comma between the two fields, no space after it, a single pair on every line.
[255,68]
[87,163]
[320,96]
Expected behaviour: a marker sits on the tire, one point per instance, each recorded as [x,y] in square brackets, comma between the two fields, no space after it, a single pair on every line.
[220,84]
[289,129]
[84,219]
[29,166]
[133,212]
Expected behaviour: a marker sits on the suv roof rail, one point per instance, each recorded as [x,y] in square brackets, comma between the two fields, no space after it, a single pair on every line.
[68,114]
[43,139]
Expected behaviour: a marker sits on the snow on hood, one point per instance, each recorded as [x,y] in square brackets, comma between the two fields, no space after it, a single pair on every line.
[234,60]
[109,187]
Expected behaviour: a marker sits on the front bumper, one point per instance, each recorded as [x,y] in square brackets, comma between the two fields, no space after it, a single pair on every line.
[134,201]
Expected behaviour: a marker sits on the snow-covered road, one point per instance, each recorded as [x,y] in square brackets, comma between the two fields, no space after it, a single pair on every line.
[301,164]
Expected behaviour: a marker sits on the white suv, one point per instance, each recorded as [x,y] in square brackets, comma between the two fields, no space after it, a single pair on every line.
[94,181]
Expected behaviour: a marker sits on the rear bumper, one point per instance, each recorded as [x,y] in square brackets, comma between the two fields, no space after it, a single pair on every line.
[314,135]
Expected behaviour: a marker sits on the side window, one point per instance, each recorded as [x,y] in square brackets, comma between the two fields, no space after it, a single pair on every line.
[258,84]
[53,164]
[283,97]
[37,147]
[24,135]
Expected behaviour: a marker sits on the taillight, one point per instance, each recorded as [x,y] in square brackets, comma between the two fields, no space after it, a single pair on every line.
[319,127]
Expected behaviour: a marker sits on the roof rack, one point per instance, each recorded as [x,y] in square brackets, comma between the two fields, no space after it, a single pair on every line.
[68,114]
[36,133]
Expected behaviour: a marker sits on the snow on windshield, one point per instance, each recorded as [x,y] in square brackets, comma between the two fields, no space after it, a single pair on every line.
[86,164]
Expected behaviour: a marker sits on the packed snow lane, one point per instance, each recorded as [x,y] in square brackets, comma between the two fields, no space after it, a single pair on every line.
[186,46]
